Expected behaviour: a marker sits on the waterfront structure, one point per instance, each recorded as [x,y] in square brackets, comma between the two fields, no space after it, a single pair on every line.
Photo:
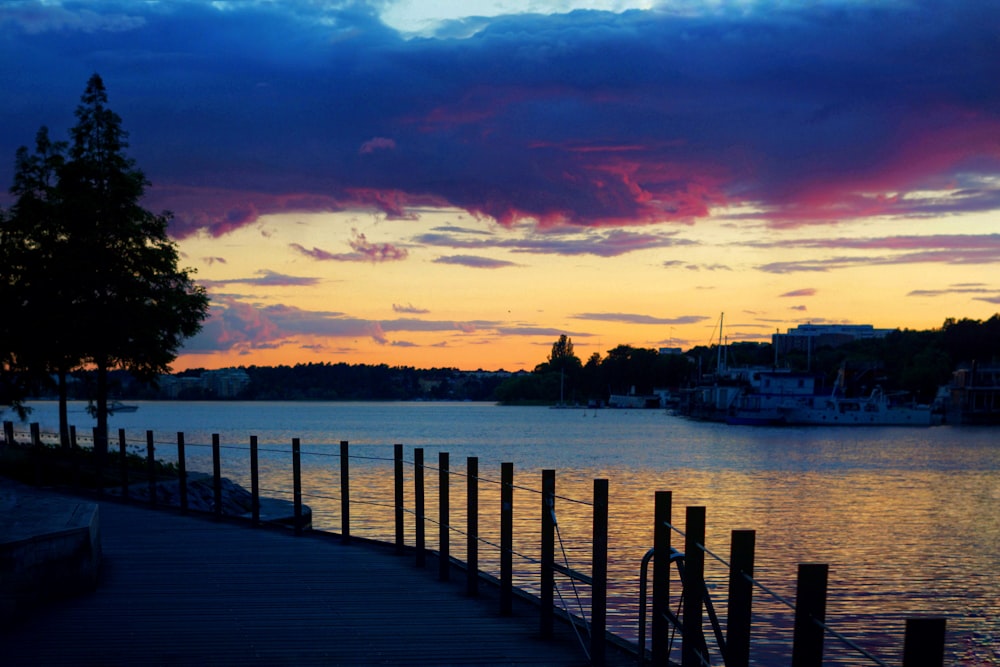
[973,397]
[806,337]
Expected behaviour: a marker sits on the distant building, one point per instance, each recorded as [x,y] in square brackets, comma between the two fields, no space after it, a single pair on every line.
[807,337]
[225,383]
[671,350]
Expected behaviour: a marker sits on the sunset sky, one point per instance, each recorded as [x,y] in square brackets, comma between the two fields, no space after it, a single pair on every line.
[456,183]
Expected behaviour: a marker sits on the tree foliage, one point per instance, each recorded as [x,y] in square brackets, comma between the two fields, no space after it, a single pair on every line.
[95,270]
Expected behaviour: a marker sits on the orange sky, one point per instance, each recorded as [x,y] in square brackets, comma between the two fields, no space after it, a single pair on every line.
[275,304]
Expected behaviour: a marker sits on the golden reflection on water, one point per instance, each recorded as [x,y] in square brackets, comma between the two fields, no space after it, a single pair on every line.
[891,539]
[907,519]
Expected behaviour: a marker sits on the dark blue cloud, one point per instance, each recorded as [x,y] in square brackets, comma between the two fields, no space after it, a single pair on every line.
[811,113]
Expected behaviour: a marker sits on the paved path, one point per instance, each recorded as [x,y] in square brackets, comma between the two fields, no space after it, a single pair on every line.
[179,590]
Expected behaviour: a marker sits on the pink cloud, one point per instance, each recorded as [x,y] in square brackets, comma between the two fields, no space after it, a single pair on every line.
[376,144]
[809,291]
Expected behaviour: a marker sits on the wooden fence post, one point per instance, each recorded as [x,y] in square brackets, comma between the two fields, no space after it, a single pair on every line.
[419,536]
[217,473]
[923,644]
[123,453]
[694,650]
[599,575]
[36,453]
[548,550]
[182,487]
[741,562]
[98,462]
[254,482]
[297,485]
[398,500]
[506,538]
[345,492]
[810,612]
[444,518]
[151,467]
[661,580]
[472,527]
[77,456]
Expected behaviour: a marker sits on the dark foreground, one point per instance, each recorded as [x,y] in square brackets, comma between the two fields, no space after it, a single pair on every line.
[180,590]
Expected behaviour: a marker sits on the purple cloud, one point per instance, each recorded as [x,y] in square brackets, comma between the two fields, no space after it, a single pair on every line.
[560,241]
[474,262]
[807,113]
[265,278]
[808,291]
[632,318]
[408,309]
[364,251]
[377,144]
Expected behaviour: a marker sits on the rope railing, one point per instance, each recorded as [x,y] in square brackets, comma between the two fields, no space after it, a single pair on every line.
[788,603]
[694,649]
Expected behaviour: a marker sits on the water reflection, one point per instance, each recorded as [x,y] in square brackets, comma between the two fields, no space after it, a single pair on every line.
[906,518]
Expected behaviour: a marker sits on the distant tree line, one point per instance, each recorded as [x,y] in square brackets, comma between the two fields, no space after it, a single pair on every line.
[918,362]
[315,382]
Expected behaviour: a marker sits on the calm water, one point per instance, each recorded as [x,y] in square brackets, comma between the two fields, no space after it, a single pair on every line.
[907,519]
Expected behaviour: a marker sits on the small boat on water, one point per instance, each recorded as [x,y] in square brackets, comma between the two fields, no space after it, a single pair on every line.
[876,409]
[118,406]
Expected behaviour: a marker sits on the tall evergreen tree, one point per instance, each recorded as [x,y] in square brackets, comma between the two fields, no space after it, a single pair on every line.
[134,305]
[34,246]
[93,272]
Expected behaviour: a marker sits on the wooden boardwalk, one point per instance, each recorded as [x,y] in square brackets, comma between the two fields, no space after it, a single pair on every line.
[182,590]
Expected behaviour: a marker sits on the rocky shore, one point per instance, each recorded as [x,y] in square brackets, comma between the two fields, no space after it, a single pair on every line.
[236,500]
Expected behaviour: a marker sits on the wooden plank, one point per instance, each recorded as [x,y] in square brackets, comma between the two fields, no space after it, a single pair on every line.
[187,590]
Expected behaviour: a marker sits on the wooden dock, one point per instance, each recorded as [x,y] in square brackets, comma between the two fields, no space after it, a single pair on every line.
[191,590]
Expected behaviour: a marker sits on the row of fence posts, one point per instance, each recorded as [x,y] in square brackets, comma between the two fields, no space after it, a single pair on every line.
[923,644]
[923,641]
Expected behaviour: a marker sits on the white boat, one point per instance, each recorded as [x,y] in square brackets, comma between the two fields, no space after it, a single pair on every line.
[876,409]
[118,406]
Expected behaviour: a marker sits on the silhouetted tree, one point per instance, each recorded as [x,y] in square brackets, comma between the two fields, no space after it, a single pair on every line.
[35,251]
[116,297]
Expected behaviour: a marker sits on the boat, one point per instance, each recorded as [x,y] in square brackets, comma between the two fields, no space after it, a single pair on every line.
[876,409]
[119,407]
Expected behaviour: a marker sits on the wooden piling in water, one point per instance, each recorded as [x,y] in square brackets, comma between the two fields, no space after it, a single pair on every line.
[506,538]
[810,613]
[418,506]
[254,482]
[661,579]
[444,520]
[472,527]
[398,497]
[345,492]
[741,563]
[599,575]
[297,485]
[547,552]
[923,643]
[693,647]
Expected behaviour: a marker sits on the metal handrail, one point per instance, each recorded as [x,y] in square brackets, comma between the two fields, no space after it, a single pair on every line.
[678,558]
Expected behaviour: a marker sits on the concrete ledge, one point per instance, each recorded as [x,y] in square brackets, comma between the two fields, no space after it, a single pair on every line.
[50,547]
